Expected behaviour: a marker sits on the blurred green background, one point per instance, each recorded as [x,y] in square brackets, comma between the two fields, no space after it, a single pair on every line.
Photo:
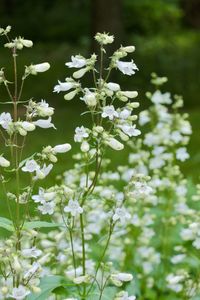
[167,39]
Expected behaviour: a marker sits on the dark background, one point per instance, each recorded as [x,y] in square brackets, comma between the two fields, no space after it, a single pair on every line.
[165,33]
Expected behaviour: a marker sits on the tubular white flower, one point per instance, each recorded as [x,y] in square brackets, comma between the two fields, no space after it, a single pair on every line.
[44,123]
[62,148]
[30,166]
[5,120]
[110,112]
[4,162]
[77,61]
[74,208]
[39,68]
[41,173]
[63,86]
[80,134]
[43,67]
[121,214]
[19,293]
[127,68]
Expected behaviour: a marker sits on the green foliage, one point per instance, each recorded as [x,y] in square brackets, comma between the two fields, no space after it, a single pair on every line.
[47,286]
[151,17]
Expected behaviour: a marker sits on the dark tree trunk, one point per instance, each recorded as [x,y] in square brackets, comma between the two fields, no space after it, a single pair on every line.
[191,10]
[107,16]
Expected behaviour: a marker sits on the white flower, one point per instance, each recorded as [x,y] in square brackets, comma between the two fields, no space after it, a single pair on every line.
[74,208]
[80,134]
[4,162]
[30,166]
[177,258]
[115,87]
[44,123]
[110,112]
[43,196]
[19,293]
[124,296]
[47,208]
[127,68]
[174,282]
[130,130]
[125,113]
[119,278]
[77,61]
[39,68]
[182,154]
[5,120]
[62,148]
[34,268]
[144,117]
[159,98]
[63,86]
[41,173]
[31,252]
[121,214]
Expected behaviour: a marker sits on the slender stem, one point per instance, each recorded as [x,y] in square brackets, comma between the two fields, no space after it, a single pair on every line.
[83,252]
[103,255]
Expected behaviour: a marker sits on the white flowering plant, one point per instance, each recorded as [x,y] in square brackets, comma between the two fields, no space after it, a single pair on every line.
[124,233]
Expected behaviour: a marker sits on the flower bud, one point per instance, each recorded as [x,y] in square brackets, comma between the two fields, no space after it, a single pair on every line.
[16,265]
[53,158]
[27,43]
[80,73]
[85,147]
[69,96]
[4,162]
[114,144]
[62,148]
[129,49]
[28,126]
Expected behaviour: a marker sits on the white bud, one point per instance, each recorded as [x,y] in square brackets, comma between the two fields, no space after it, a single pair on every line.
[114,144]
[129,94]
[28,126]
[27,43]
[4,162]
[129,49]
[62,148]
[85,147]
[16,265]
[80,73]
[70,95]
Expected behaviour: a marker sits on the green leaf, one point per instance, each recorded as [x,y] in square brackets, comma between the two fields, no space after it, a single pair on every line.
[40,224]
[47,285]
[6,224]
